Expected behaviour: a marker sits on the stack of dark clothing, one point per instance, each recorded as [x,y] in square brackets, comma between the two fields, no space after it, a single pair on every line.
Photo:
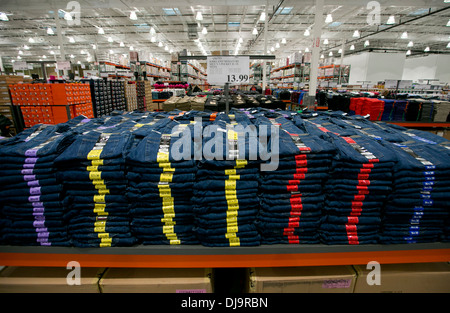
[291,195]
[339,103]
[161,174]
[31,197]
[226,189]
[418,205]
[92,171]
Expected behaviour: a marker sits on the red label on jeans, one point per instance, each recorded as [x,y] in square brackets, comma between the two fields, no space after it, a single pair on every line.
[296,207]
[301,170]
[294,241]
[294,224]
[363,182]
[350,228]
[362,188]
[359,197]
[300,157]
[304,148]
[349,140]
[363,192]
[287,230]
[356,212]
[296,213]
[292,188]
[363,176]
[301,163]
[374,160]
[293,182]
[357,204]
[368,165]
[353,241]
[365,170]
[353,220]
[299,176]
[297,200]
[294,219]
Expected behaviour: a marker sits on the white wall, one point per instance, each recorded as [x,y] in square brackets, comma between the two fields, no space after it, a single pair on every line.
[443,68]
[358,67]
[432,66]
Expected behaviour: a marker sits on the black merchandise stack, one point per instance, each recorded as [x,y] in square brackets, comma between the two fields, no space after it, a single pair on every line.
[226,189]
[31,198]
[92,171]
[291,196]
[161,185]
[118,95]
[140,94]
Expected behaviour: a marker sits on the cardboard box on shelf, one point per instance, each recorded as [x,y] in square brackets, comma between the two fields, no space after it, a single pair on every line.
[48,280]
[406,278]
[310,279]
[156,280]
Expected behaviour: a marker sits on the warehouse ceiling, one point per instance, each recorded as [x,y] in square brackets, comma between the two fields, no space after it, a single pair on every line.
[30,24]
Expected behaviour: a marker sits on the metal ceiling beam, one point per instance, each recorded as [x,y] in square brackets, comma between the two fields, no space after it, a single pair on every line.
[203,57]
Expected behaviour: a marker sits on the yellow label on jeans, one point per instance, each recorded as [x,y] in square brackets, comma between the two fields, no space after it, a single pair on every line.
[166,177]
[234,177]
[97,162]
[234,242]
[168,169]
[232,135]
[106,240]
[94,154]
[162,157]
[230,197]
[100,186]
[92,168]
[100,224]
[230,171]
[99,229]
[103,191]
[95,175]
[169,215]
[98,182]
[103,235]
[232,229]
[168,210]
[230,235]
[167,201]
[232,213]
[167,229]
[174,242]
[230,192]
[232,219]
[99,198]
[232,202]
[230,184]
[240,163]
[233,207]
[164,165]
[105,244]
[163,193]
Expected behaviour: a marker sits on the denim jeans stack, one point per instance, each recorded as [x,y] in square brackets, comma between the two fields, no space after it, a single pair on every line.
[292,195]
[161,178]
[418,206]
[357,188]
[31,197]
[92,171]
[226,188]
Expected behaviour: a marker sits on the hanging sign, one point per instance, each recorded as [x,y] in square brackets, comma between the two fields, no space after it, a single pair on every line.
[63,65]
[20,66]
[228,69]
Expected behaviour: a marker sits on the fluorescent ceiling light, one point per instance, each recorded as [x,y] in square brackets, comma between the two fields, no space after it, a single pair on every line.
[325,41]
[131,48]
[31,40]
[79,62]
[82,51]
[110,39]
[366,43]
[426,49]
[352,47]
[356,34]
[277,45]
[322,56]
[133,15]
[410,44]
[204,31]
[262,18]
[152,30]
[255,31]
[330,54]
[3,17]
[111,52]
[272,49]
[171,51]
[166,48]
[199,16]
[122,44]
[50,31]
[20,52]
[448,23]
[268,51]
[67,16]
[71,39]
[283,41]
[52,52]
[329,18]
[408,52]
[160,44]
[391,20]
[94,47]
[306,49]
[153,39]
[19,57]
[12,61]
[306,33]
[241,40]
[404,35]
[72,56]
[44,56]
[340,51]
[448,45]
[26,47]
[101,31]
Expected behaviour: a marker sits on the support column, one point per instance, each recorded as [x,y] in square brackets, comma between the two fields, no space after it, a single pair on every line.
[317,32]
[342,61]
[264,64]
[62,51]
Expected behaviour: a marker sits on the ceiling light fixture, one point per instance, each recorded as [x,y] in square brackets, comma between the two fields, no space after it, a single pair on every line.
[199,16]
[122,44]
[352,47]
[391,20]
[283,41]
[448,23]
[3,17]
[204,31]
[166,48]
[71,39]
[26,47]
[322,56]
[241,40]
[133,15]
[340,51]
[272,49]
[94,47]
[152,30]
[19,57]
[366,43]
[448,45]
[356,34]
[101,31]
[50,31]
[427,49]
[72,56]
[31,40]
[408,52]
[306,49]
[330,54]
[171,51]
[160,44]
[153,39]
[111,52]
[67,16]
[277,45]
[131,48]
[329,18]
[44,56]
[262,18]
[410,44]
[255,31]
[404,35]
[306,33]
[20,52]
[325,41]
[110,39]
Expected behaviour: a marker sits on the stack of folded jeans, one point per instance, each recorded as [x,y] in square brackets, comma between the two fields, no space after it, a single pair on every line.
[31,198]
[291,196]
[92,171]
[226,188]
[418,205]
[161,174]
[358,186]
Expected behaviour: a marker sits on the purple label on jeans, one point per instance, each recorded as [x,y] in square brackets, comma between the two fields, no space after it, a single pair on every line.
[40,217]
[46,243]
[32,165]
[29,177]
[38,204]
[85,120]
[41,229]
[35,191]
[33,183]
[37,214]
[39,223]
[38,209]
[45,234]
[34,199]
[31,152]
[31,160]
[27,171]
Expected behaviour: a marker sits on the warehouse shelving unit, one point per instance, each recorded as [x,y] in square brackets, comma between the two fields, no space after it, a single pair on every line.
[226,257]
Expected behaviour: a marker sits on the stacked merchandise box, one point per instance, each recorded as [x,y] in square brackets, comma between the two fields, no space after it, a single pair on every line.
[131,95]
[15,279]
[118,95]
[5,100]
[148,95]
[101,97]
[51,103]
[140,93]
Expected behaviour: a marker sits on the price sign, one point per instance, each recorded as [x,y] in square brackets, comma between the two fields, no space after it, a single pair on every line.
[228,69]
[405,84]
[390,84]
[20,66]
[63,65]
